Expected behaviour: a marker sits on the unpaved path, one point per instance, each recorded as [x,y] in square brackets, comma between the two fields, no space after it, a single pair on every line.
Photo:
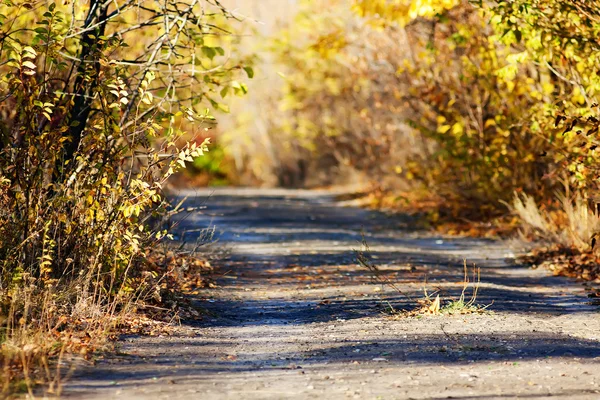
[295,317]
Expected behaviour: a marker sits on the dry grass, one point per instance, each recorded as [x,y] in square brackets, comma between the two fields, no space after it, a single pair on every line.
[574,225]
[46,329]
[534,220]
[430,303]
[43,329]
[433,304]
[582,223]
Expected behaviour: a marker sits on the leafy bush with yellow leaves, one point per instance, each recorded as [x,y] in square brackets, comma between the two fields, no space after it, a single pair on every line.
[474,100]
[95,96]
[338,112]
[507,91]
[558,39]
[467,92]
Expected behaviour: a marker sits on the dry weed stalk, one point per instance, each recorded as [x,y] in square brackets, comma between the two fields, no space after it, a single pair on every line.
[363,259]
[430,305]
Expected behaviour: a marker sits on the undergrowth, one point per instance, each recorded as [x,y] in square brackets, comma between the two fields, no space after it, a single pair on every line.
[96,114]
[432,303]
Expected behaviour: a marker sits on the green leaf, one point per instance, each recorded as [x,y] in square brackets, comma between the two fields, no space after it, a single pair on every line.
[249,72]
[209,52]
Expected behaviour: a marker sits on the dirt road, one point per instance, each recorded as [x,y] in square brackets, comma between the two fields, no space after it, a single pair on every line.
[295,317]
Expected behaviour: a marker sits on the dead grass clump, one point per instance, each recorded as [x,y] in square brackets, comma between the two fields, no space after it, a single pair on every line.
[535,223]
[573,224]
[43,328]
[568,233]
[582,223]
[433,304]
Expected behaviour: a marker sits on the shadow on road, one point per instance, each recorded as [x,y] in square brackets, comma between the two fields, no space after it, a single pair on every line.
[291,269]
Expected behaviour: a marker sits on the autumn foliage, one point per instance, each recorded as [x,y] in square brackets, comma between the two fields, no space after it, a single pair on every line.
[489,106]
[472,101]
[101,102]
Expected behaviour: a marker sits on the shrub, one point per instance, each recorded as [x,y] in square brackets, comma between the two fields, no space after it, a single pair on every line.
[401,94]
[559,39]
[506,91]
[94,97]
[337,112]
[473,100]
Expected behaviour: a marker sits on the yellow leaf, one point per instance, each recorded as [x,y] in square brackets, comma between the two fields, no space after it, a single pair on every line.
[29,64]
[443,128]
[434,308]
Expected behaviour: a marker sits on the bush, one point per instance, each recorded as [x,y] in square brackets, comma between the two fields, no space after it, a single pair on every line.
[472,100]
[335,114]
[558,38]
[91,115]
[402,100]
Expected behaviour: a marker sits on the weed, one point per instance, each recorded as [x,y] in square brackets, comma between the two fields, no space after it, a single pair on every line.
[464,304]
[533,219]
[363,258]
[431,303]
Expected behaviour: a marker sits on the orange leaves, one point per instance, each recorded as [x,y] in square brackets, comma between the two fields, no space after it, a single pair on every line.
[566,261]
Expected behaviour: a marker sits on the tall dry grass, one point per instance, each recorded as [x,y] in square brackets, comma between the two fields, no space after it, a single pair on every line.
[574,224]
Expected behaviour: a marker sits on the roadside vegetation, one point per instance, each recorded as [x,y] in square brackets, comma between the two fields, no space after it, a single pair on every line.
[481,115]
[481,112]
[101,103]
[436,302]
